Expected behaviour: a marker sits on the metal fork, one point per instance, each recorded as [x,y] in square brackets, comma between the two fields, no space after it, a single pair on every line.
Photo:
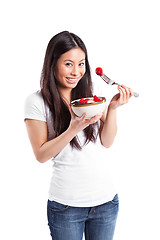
[111,82]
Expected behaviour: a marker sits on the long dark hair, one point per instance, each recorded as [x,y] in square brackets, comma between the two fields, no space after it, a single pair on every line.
[58,45]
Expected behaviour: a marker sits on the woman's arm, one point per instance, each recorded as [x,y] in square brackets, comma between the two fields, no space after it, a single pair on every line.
[109,128]
[45,150]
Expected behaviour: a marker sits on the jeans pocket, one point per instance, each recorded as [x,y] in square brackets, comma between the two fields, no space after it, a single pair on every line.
[115,200]
[57,207]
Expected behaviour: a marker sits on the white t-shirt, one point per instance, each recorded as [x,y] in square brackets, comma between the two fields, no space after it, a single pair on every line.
[80,177]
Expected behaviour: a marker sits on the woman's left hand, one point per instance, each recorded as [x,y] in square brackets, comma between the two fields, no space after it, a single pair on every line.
[122,97]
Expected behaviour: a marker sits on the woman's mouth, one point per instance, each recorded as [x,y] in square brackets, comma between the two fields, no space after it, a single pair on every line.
[72,80]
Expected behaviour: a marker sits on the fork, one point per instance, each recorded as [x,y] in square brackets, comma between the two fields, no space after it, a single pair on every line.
[111,82]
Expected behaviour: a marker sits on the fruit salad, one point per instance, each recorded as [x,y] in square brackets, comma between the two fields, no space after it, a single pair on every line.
[87,100]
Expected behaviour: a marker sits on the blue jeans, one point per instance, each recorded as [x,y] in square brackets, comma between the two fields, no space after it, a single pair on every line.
[69,223]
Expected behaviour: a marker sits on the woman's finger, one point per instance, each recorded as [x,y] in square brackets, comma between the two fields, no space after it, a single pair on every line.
[127,93]
[121,91]
[95,118]
[83,117]
[131,92]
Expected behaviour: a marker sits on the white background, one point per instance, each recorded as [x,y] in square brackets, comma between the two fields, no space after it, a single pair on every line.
[123,38]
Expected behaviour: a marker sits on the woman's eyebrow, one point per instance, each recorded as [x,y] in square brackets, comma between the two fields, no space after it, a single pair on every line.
[73,61]
[82,60]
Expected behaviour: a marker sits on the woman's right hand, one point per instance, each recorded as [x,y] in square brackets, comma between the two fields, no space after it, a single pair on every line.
[77,124]
[45,150]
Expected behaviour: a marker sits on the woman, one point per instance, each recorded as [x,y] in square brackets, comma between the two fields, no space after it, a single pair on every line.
[82,198]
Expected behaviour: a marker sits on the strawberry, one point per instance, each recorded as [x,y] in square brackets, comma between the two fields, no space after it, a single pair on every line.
[99,71]
[86,100]
[96,99]
[83,100]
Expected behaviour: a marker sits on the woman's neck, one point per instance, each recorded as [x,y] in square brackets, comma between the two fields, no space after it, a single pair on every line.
[65,95]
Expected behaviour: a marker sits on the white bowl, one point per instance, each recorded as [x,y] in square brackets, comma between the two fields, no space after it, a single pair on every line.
[91,109]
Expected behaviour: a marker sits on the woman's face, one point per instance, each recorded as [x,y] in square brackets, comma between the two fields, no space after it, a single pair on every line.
[70,68]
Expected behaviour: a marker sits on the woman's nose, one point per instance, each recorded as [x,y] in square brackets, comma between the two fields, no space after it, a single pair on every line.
[75,70]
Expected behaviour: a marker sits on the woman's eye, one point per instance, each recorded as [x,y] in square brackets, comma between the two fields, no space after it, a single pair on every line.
[81,64]
[68,64]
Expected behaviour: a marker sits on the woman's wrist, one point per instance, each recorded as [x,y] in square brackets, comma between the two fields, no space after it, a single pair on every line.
[72,131]
[112,108]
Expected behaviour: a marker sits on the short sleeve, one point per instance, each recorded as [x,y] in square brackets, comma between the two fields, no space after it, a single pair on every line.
[34,107]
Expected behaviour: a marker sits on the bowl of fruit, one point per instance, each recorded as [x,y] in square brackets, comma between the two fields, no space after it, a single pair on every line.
[90,105]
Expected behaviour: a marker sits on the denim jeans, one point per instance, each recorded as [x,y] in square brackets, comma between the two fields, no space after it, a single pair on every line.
[69,223]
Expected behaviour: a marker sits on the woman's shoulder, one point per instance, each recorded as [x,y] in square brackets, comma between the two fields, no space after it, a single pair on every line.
[34,106]
[35,97]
